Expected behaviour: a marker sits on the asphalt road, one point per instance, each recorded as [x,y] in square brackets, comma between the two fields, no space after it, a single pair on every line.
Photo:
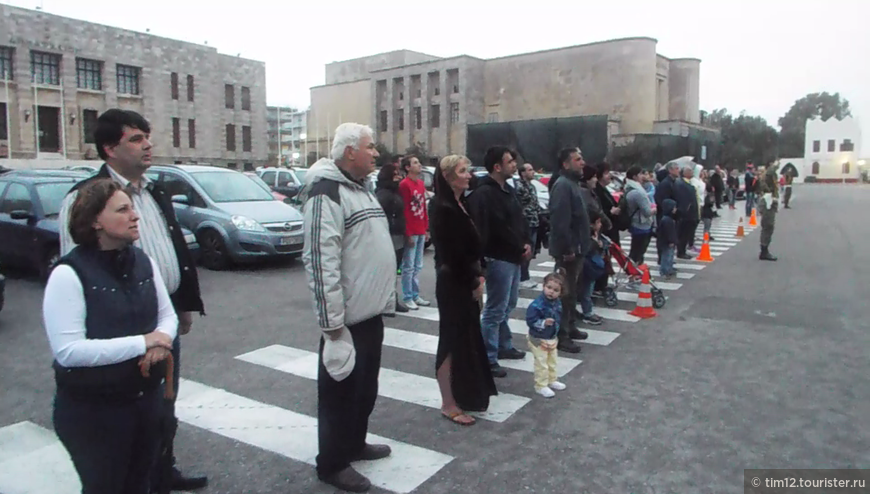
[749,365]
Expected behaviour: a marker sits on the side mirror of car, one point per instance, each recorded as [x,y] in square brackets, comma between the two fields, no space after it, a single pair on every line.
[20,214]
[181,199]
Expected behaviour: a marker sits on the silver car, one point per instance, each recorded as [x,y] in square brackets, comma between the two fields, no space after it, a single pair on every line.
[234,219]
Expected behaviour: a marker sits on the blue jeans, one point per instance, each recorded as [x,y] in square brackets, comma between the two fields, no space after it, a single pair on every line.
[502,293]
[750,202]
[412,264]
[586,287]
[666,267]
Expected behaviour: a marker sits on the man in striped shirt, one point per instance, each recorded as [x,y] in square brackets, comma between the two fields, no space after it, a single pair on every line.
[123,141]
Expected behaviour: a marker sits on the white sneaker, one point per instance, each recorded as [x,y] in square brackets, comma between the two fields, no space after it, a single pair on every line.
[528,285]
[557,386]
[411,305]
[546,392]
[423,303]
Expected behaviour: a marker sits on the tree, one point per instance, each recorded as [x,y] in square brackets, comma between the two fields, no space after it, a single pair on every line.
[419,150]
[384,155]
[743,138]
[793,123]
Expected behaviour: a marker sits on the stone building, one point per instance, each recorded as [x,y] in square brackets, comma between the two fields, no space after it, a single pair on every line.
[412,97]
[59,74]
[286,125]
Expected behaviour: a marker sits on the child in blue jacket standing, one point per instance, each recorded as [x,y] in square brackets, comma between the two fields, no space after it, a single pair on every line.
[543,316]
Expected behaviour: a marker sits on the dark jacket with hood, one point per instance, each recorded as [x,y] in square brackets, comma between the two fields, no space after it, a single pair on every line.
[667,228]
[717,183]
[687,200]
[499,218]
[569,218]
[664,190]
[607,203]
[387,193]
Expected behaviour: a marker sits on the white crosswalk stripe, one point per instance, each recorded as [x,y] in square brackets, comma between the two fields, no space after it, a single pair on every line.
[396,385]
[294,435]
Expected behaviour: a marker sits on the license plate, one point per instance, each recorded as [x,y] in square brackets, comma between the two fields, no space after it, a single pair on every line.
[289,241]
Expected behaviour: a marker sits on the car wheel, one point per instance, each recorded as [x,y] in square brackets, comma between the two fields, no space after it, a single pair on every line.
[49,262]
[214,253]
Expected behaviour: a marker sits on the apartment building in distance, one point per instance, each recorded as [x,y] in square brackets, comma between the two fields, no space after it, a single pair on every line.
[59,74]
[286,125]
[411,97]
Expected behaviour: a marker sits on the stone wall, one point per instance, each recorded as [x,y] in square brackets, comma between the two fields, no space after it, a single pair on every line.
[335,104]
[360,68]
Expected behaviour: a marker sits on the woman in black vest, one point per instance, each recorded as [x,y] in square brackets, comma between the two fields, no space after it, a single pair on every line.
[110,324]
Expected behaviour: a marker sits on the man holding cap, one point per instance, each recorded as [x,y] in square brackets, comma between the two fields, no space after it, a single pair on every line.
[351,267]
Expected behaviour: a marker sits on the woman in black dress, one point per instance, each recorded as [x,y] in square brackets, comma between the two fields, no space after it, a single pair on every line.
[460,364]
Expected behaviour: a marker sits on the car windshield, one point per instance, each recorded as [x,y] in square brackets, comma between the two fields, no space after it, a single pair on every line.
[300,174]
[259,181]
[230,187]
[51,196]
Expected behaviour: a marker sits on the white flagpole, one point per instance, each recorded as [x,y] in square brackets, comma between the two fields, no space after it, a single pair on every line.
[62,119]
[8,122]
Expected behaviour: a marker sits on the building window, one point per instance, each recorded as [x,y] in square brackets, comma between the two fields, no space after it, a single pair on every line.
[190,87]
[176,132]
[232,166]
[418,117]
[492,117]
[249,167]
[4,129]
[401,95]
[6,56]
[846,167]
[89,125]
[45,68]
[89,74]
[816,167]
[832,145]
[400,119]
[246,138]
[435,116]
[231,137]
[817,146]
[383,121]
[173,82]
[847,146]
[246,98]
[437,90]
[128,79]
[229,96]
[454,112]
[419,92]
[191,133]
[456,89]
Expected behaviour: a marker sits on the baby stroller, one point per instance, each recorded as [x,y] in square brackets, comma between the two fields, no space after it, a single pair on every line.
[629,274]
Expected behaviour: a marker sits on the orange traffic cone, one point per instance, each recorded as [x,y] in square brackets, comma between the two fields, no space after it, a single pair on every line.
[644,308]
[705,250]
[752,220]
[740,232]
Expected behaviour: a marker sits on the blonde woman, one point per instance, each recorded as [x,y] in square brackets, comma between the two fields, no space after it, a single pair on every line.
[461,364]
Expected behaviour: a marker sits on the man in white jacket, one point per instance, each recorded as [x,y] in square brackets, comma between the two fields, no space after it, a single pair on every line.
[351,269]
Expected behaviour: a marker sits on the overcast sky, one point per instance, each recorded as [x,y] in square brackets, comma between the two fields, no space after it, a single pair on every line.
[759,56]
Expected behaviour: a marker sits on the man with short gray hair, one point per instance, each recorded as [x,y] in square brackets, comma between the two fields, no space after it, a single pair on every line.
[351,266]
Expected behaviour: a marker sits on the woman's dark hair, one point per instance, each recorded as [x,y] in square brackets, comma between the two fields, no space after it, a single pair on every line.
[110,128]
[494,155]
[90,202]
[633,172]
[386,176]
[589,172]
[593,217]
[602,168]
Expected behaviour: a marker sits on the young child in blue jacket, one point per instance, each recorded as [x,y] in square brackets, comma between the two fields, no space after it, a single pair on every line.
[543,316]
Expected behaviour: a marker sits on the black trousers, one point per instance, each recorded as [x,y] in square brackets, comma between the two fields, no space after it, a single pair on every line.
[574,270]
[113,444]
[685,234]
[639,245]
[343,408]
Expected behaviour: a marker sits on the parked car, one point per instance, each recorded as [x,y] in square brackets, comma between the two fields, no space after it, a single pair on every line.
[286,181]
[90,170]
[256,178]
[30,202]
[234,219]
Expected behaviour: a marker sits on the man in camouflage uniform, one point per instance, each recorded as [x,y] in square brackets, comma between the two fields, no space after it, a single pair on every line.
[528,198]
[768,204]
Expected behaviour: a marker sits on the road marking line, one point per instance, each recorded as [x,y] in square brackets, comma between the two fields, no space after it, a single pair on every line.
[294,435]
[393,384]
[428,344]
[518,326]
